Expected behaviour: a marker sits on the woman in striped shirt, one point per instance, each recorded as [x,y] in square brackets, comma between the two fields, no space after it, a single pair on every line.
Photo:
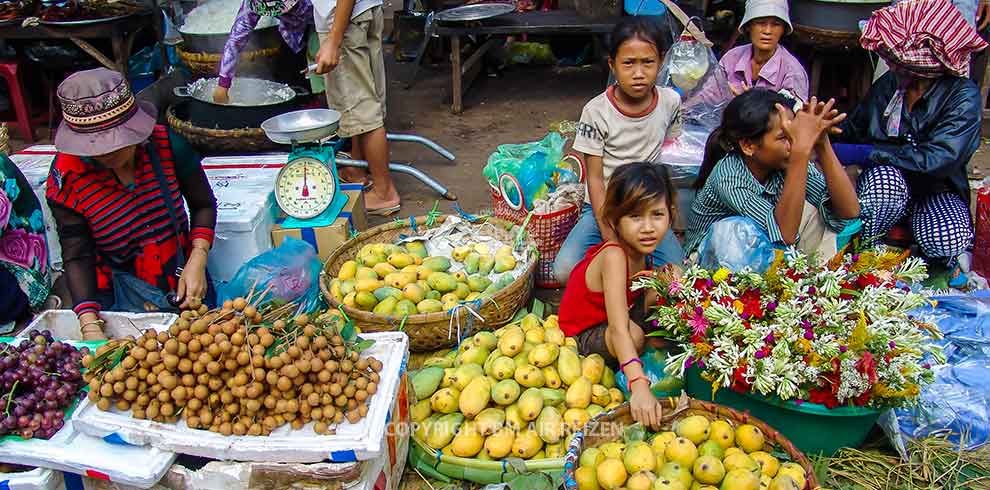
[116,191]
[757,166]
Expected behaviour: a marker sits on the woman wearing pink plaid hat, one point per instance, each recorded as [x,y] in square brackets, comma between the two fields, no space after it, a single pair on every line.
[917,129]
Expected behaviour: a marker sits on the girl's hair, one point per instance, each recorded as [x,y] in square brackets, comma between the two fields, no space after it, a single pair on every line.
[633,187]
[747,117]
[636,28]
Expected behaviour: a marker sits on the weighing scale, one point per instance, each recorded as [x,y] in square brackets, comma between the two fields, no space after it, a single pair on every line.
[307,188]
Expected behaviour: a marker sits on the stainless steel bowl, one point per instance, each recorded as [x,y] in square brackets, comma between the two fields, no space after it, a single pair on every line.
[304,126]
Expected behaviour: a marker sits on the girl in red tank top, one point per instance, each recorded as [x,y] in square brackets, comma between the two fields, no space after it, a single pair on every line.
[596,306]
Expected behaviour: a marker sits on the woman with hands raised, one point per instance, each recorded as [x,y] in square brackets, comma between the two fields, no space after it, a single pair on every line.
[758,168]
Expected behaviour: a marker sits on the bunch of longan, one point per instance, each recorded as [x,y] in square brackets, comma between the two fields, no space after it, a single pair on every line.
[222,371]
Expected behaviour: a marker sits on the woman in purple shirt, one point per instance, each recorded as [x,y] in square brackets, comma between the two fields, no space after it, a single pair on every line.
[765,63]
[294,19]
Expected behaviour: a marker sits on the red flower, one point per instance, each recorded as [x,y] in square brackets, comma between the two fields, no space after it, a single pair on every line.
[739,382]
[752,304]
[867,279]
[701,285]
[867,366]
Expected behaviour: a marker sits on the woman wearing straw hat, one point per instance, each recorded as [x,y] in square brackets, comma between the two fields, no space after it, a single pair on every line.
[116,191]
[917,129]
[764,62]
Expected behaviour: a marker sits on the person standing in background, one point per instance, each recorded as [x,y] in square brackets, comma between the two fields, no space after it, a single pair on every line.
[351,57]
[294,18]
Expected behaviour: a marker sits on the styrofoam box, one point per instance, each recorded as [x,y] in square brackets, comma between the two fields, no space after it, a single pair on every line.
[35,162]
[72,451]
[245,210]
[361,441]
[63,324]
[36,479]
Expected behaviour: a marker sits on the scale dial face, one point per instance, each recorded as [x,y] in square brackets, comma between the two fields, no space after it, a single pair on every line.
[304,188]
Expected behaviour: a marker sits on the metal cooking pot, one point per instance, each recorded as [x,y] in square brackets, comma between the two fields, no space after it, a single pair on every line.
[834,17]
[264,38]
[252,101]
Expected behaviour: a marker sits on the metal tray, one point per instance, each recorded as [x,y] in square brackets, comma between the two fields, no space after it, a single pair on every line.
[87,22]
[478,11]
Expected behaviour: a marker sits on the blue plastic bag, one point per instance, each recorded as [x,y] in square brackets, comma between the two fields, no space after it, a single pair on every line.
[292,271]
[531,165]
[736,243]
[959,398]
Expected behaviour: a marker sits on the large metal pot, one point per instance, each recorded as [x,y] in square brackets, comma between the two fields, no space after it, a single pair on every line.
[252,101]
[834,16]
[264,38]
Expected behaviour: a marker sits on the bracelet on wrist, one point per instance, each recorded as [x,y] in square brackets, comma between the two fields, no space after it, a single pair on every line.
[622,367]
[633,380]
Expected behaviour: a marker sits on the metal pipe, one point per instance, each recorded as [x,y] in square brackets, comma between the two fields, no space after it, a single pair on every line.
[403,168]
[413,138]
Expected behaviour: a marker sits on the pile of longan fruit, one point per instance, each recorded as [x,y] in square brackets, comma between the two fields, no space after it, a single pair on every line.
[217,370]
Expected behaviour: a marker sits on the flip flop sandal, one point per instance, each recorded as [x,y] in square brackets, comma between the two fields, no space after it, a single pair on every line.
[386,211]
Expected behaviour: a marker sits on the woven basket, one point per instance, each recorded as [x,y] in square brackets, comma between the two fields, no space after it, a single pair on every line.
[548,231]
[208,64]
[212,141]
[431,331]
[608,426]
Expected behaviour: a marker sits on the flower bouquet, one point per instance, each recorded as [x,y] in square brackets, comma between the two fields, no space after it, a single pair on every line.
[836,335]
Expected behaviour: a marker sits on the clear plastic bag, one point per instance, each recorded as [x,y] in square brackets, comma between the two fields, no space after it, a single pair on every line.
[736,243]
[959,398]
[290,273]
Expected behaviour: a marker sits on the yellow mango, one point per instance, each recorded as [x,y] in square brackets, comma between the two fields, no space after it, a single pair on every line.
[365,300]
[400,260]
[367,285]
[365,273]
[348,270]
[384,269]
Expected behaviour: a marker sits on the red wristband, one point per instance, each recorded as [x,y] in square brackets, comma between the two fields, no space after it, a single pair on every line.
[637,378]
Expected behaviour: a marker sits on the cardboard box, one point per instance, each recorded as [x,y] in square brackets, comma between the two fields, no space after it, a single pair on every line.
[352,219]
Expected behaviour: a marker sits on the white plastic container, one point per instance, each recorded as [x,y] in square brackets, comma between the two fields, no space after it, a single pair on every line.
[245,211]
[71,451]
[36,479]
[352,442]
[64,324]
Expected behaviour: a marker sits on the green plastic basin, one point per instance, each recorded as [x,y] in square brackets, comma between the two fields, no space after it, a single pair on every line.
[812,428]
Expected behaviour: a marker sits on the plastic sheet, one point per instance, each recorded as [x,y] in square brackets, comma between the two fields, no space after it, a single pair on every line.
[291,271]
[959,399]
[736,243]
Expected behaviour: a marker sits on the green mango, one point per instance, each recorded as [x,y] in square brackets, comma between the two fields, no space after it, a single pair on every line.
[437,264]
[471,263]
[478,283]
[426,381]
[385,292]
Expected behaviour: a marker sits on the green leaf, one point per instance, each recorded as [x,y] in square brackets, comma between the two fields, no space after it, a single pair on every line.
[532,481]
[348,333]
[363,344]
[633,433]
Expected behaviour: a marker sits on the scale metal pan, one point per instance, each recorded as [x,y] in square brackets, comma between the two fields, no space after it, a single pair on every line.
[306,126]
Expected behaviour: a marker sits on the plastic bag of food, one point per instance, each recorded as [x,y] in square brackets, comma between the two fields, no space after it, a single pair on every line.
[526,172]
[736,243]
[661,383]
[289,273]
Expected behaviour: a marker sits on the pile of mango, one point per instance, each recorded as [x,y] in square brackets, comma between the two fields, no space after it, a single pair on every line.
[400,280]
[519,392]
[697,455]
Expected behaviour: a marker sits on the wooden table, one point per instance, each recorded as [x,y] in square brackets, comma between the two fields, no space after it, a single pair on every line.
[552,23]
[121,33]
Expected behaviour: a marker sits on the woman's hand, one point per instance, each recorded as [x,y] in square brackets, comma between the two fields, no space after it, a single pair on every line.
[221,95]
[814,119]
[644,406]
[91,327]
[192,282]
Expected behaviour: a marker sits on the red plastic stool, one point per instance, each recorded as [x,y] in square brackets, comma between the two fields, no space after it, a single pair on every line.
[18,99]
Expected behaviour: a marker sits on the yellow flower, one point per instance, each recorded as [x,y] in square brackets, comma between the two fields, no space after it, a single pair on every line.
[859,334]
[720,275]
[739,306]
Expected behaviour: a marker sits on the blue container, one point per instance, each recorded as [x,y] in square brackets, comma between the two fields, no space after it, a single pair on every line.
[645,7]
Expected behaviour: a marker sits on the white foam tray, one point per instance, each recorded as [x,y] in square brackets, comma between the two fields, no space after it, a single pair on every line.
[74,452]
[352,442]
[64,325]
[36,479]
